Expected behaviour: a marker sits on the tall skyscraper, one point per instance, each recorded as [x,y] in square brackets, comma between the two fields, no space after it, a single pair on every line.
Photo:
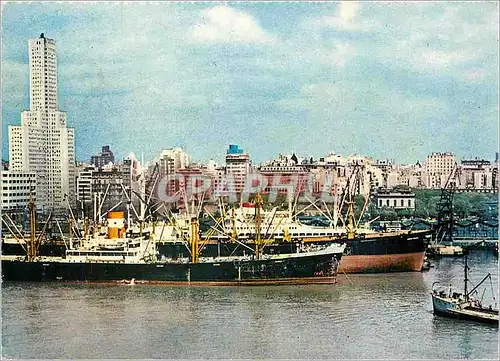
[43,144]
[238,166]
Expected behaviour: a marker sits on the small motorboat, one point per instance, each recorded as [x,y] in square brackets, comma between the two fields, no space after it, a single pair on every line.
[464,305]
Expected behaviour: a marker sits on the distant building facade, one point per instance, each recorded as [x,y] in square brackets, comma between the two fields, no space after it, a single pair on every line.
[16,189]
[104,157]
[112,187]
[437,169]
[477,175]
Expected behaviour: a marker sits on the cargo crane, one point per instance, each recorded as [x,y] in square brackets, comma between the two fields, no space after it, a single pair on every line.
[445,220]
[443,231]
[151,184]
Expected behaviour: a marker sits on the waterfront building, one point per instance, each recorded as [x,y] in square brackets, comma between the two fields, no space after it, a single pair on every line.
[102,158]
[16,189]
[332,160]
[43,144]
[408,175]
[396,198]
[196,182]
[171,160]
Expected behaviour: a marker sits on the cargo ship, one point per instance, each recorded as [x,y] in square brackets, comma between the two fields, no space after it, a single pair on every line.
[234,233]
[367,251]
[138,260]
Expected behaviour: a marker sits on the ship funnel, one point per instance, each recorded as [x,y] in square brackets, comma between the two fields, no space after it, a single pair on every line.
[116,224]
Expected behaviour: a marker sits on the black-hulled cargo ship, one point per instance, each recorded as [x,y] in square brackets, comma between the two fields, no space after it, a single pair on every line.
[318,266]
[137,259]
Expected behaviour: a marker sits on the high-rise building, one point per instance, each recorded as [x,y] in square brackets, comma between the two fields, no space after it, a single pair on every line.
[43,144]
[237,166]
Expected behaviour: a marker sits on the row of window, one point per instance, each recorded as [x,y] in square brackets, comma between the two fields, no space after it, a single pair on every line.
[8,200]
[17,175]
[17,181]
[394,203]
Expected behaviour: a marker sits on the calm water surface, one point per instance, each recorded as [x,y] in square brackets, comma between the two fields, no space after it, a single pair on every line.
[364,316]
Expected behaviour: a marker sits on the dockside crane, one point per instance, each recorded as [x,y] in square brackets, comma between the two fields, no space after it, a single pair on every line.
[445,219]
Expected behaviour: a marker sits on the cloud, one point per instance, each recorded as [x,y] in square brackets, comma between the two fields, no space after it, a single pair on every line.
[223,24]
[332,72]
[346,19]
[449,38]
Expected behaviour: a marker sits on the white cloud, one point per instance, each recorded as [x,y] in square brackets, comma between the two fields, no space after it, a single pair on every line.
[223,24]
[346,19]
[451,39]
[348,10]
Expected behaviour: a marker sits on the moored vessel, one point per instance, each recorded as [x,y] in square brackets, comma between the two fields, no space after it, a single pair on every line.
[367,251]
[137,259]
[463,305]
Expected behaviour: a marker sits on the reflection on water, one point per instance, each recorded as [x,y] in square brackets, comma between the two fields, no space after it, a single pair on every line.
[363,316]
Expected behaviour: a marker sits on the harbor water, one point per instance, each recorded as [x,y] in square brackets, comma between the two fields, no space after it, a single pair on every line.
[362,317]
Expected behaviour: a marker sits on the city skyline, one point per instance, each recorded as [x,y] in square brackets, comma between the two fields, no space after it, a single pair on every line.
[304,78]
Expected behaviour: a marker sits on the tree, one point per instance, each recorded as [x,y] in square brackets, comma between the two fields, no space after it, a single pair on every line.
[421,209]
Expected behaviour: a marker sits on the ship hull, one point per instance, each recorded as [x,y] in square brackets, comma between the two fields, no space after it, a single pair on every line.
[404,262]
[320,268]
[386,253]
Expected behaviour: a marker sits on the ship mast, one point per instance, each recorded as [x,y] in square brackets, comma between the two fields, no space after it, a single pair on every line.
[350,218]
[32,249]
[234,233]
[194,240]
[466,296]
[258,201]
[466,268]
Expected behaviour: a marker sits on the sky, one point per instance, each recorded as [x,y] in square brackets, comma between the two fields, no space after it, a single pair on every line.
[394,80]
